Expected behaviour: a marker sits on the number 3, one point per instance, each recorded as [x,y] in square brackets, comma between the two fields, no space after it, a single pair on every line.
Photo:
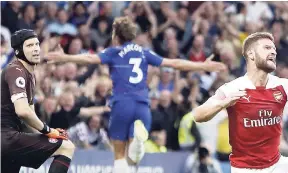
[136,69]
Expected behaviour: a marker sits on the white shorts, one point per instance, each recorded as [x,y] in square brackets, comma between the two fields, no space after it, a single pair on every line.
[280,167]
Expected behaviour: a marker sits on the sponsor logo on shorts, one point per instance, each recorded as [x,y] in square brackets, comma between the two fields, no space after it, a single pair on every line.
[52,140]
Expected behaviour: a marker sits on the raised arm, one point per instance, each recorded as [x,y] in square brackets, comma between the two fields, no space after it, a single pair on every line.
[78,59]
[94,110]
[60,56]
[186,65]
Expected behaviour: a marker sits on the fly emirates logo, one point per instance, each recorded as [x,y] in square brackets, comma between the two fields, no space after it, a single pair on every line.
[265,119]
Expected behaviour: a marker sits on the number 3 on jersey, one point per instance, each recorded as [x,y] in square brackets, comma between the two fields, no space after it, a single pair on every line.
[136,69]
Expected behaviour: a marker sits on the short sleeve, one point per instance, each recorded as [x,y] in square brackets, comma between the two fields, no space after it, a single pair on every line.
[105,56]
[285,85]
[153,58]
[219,95]
[222,92]
[16,80]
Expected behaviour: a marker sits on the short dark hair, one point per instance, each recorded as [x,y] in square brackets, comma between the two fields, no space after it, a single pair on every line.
[239,7]
[157,127]
[124,29]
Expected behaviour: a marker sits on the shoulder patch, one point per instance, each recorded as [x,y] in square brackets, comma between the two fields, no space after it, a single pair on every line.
[20,82]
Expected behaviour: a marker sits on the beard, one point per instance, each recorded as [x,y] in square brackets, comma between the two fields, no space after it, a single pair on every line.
[265,64]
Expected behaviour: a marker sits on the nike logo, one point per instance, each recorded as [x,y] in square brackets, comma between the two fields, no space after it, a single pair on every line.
[247,98]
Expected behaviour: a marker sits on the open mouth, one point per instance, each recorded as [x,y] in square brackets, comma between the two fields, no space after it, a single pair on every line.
[272,59]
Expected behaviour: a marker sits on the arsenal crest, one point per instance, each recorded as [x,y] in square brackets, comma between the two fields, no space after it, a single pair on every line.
[278,96]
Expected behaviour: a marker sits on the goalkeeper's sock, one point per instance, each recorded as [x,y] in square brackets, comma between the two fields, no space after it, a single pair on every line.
[60,164]
[121,166]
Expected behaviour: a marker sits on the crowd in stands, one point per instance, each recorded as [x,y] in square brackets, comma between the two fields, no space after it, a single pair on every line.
[75,97]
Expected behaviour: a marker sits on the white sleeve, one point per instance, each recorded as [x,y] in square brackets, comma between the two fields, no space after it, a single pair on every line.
[220,94]
[285,112]
[284,83]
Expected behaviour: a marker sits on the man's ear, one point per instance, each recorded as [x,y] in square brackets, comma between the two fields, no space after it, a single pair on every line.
[251,54]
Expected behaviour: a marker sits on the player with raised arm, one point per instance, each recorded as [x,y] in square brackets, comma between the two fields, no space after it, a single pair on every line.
[254,104]
[128,62]
[17,92]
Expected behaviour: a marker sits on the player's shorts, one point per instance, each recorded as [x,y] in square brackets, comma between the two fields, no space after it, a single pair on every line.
[25,149]
[280,167]
[122,117]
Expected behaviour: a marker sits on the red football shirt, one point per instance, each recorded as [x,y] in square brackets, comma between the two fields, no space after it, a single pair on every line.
[255,121]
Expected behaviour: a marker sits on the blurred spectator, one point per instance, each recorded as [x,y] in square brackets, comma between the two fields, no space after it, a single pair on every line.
[3,46]
[258,10]
[67,113]
[227,56]
[157,140]
[28,17]
[101,34]
[102,91]
[5,33]
[241,12]
[188,135]
[46,87]
[223,149]
[9,15]
[164,15]
[45,109]
[40,23]
[75,46]
[86,36]
[170,113]
[281,42]
[51,12]
[59,72]
[166,79]
[71,68]
[143,15]
[154,102]
[282,70]
[105,13]
[79,14]
[209,131]
[61,26]
[202,162]
[6,51]
[89,134]
[197,52]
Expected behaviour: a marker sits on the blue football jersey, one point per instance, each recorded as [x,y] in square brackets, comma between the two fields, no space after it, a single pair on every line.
[128,65]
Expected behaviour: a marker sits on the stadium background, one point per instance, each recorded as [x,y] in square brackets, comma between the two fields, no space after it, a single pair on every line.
[68,94]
